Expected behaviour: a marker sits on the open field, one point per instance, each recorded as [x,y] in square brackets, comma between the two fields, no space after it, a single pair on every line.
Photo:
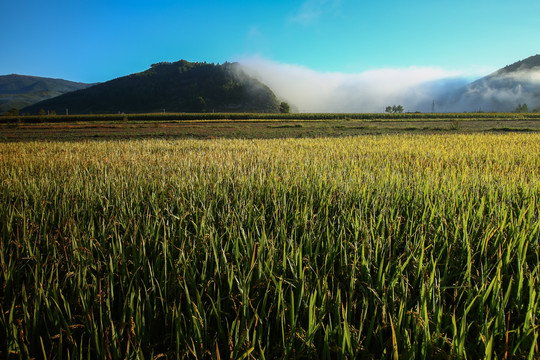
[387,246]
[256,126]
[260,129]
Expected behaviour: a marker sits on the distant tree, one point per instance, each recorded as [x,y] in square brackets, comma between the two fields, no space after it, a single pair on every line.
[394,109]
[284,108]
[12,112]
[522,108]
[42,114]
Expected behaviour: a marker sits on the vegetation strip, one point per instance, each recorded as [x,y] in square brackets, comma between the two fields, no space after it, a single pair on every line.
[264,116]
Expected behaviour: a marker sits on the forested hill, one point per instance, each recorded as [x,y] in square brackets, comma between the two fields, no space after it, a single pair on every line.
[530,63]
[18,91]
[503,90]
[172,87]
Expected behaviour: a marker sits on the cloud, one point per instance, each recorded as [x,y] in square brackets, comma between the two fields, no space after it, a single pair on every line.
[312,10]
[530,75]
[369,91]
[501,91]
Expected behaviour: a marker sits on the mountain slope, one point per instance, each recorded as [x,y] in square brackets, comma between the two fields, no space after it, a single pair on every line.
[19,91]
[173,87]
[502,90]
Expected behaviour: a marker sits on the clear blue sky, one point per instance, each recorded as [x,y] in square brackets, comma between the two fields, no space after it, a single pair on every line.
[92,41]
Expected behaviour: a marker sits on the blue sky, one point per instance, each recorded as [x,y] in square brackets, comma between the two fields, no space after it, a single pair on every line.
[93,41]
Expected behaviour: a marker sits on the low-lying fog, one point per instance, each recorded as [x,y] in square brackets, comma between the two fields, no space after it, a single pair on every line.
[415,88]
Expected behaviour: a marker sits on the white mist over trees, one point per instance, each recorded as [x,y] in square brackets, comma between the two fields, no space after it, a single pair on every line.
[502,90]
[370,91]
[424,89]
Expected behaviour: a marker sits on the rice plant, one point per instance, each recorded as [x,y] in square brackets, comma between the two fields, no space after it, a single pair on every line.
[365,247]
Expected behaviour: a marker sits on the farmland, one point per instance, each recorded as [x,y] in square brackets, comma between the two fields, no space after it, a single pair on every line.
[256,126]
[390,238]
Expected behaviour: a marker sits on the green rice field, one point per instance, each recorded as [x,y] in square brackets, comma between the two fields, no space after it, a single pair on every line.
[391,246]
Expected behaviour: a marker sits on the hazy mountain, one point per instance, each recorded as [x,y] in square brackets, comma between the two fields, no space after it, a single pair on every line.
[174,87]
[19,91]
[195,87]
[502,90]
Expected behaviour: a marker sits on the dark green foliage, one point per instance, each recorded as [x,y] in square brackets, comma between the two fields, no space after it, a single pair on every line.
[284,108]
[522,108]
[170,87]
[12,112]
[396,109]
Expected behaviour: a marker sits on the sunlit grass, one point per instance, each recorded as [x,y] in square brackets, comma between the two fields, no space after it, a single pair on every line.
[375,247]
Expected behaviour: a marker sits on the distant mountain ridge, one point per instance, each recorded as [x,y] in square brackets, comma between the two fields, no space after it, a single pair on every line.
[19,91]
[184,86]
[500,91]
[180,86]
[527,64]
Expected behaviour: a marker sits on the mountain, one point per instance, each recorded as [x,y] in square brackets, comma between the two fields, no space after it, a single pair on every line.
[18,91]
[502,90]
[173,87]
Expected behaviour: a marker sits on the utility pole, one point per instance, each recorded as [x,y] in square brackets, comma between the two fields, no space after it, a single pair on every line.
[433,107]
